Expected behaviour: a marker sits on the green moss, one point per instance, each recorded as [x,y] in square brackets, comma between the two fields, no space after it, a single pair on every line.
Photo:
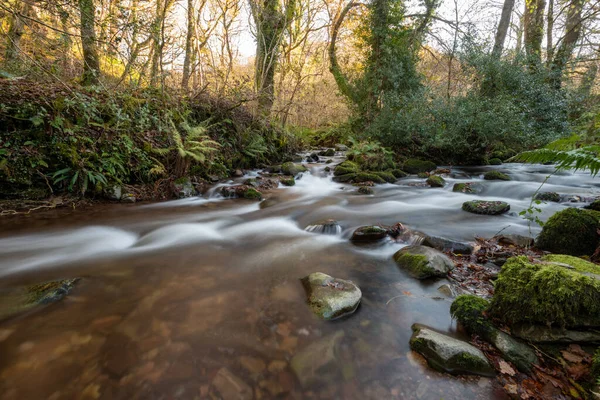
[344,178]
[345,168]
[572,231]
[469,311]
[436,181]
[386,176]
[486,207]
[595,205]
[289,168]
[577,263]
[595,370]
[368,177]
[414,166]
[252,194]
[496,176]
[416,264]
[398,173]
[548,196]
[546,294]
[495,161]
[463,188]
[365,190]
[182,181]
[288,181]
[423,175]
[469,362]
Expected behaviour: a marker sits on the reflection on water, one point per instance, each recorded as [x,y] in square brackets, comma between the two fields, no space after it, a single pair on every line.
[187,298]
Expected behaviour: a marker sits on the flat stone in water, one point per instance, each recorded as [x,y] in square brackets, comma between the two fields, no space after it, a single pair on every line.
[368,234]
[331,298]
[447,354]
[486,207]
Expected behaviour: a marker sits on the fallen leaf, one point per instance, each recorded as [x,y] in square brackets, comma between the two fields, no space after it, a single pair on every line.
[406,293]
[506,369]
[571,357]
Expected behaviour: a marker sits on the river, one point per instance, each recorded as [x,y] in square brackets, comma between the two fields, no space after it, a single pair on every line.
[177,295]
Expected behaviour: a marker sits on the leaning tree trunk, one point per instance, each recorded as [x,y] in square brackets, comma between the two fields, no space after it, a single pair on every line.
[534,31]
[16,29]
[91,64]
[503,27]
[569,40]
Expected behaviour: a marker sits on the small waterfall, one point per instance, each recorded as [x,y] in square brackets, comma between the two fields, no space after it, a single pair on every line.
[327,227]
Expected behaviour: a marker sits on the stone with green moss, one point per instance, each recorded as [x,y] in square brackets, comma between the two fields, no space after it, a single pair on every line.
[344,178]
[331,298]
[496,176]
[495,161]
[252,194]
[594,205]
[423,262]
[370,233]
[414,166]
[423,175]
[368,177]
[347,167]
[572,231]
[327,153]
[470,310]
[386,176]
[486,207]
[289,168]
[398,173]
[18,300]
[288,181]
[548,196]
[468,187]
[365,190]
[436,181]
[447,354]
[559,291]
[183,188]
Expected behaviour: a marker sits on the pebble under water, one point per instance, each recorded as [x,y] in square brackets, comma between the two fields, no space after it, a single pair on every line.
[201,298]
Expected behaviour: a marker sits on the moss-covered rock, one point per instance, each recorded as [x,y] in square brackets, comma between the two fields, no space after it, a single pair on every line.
[331,298]
[468,187]
[486,207]
[423,262]
[252,194]
[369,233]
[288,181]
[386,176]
[447,354]
[368,177]
[560,291]
[423,175]
[436,181]
[241,191]
[496,176]
[398,173]
[594,205]
[365,190]
[347,167]
[327,153]
[469,311]
[289,168]
[548,196]
[572,231]
[344,178]
[495,161]
[414,166]
[183,188]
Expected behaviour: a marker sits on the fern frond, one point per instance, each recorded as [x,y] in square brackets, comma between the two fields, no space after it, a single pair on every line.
[578,159]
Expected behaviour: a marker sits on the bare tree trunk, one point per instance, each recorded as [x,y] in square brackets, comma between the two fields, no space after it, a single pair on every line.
[189,46]
[16,30]
[549,29]
[503,27]
[519,44]
[534,31]
[91,64]
[569,40]
[334,67]
[157,46]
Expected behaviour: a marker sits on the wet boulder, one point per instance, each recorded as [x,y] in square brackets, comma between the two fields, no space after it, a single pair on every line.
[470,310]
[241,191]
[345,168]
[369,177]
[486,207]
[468,187]
[318,362]
[414,166]
[436,181]
[423,175]
[128,198]
[331,298]
[326,227]
[447,354]
[289,168]
[572,231]
[398,173]
[386,176]
[496,176]
[113,192]
[443,244]
[495,161]
[560,291]
[288,181]
[183,188]
[594,205]
[21,299]
[327,153]
[423,262]
[369,233]
[547,196]
[314,157]
[365,190]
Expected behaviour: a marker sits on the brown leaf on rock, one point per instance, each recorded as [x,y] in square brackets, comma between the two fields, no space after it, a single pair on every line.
[506,369]
[571,357]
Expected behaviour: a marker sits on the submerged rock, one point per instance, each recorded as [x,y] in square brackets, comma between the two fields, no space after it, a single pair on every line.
[183,188]
[449,290]
[548,196]
[572,231]
[365,190]
[369,233]
[486,207]
[331,298]
[447,354]
[468,187]
[496,176]
[560,291]
[18,300]
[289,168]
[423,262]
[327,227]
[436,181]
[317,363]
[414,166]
[231,387]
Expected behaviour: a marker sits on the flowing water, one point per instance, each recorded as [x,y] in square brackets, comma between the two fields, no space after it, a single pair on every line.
[173,292]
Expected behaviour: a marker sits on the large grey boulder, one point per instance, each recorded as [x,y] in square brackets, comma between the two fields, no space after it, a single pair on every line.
[447,354]
[331,298]
[423,262]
